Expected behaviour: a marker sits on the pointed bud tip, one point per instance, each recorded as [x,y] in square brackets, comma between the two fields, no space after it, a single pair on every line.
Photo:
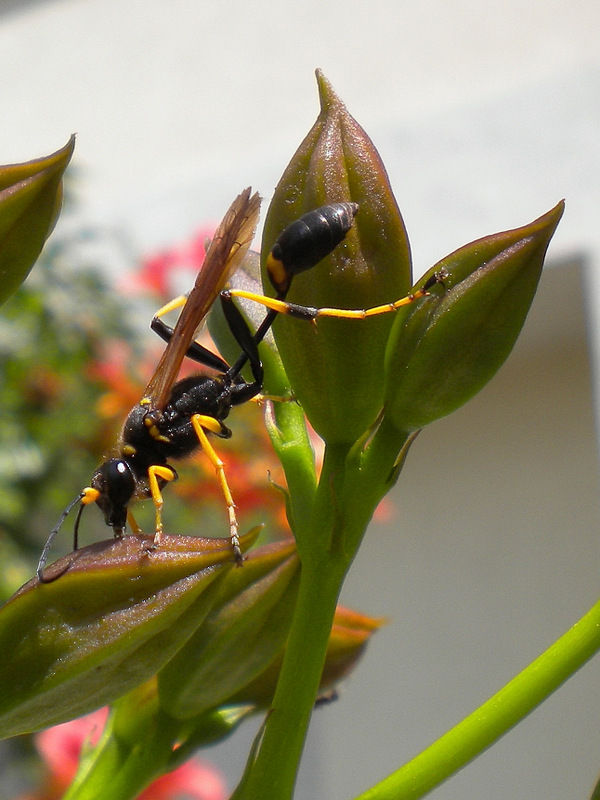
[328,99]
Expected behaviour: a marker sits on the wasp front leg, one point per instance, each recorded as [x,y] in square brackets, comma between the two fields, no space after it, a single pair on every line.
[157,473]
[201,424]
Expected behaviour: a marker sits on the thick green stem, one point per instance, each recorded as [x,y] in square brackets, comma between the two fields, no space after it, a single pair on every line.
[273,772]
[495,717]
[286,425]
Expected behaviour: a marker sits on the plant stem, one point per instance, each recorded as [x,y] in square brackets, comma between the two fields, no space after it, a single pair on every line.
[273,772]
[286,425]
[495,717]
[328,526]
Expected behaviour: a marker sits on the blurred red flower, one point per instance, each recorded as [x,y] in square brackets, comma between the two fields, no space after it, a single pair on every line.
[60,748]
[159,272]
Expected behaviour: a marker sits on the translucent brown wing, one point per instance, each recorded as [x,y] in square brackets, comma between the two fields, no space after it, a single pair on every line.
[224,255]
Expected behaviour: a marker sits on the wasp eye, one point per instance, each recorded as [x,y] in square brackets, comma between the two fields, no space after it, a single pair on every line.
[117,481]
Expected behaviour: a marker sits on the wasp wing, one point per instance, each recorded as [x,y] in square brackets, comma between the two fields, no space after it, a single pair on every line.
[226,251]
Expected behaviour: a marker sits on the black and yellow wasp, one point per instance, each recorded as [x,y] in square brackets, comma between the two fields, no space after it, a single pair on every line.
[175,417]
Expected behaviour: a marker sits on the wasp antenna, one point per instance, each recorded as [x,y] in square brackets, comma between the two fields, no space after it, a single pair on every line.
[76,526]
[53,532]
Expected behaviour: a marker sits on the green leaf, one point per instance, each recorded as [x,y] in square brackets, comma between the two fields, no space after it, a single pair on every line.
[30,201]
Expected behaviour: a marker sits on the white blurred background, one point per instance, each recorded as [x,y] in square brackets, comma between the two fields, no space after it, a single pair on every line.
[485,115]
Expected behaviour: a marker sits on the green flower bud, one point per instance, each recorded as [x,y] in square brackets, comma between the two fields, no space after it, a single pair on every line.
[30,201]
[334,366]
[246,628]
[444,348]
[350,634]
[119,610]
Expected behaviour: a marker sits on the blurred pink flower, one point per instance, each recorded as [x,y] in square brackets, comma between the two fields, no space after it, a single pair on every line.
[60,748]
[158,273]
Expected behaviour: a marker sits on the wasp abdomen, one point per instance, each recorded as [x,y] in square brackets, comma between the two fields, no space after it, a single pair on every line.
[307,240]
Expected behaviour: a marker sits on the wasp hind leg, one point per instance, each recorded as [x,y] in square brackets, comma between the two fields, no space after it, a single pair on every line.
[202,424]
[280,306]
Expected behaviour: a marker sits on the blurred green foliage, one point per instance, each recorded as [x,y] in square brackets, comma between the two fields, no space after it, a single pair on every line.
[75,354]
[50,330]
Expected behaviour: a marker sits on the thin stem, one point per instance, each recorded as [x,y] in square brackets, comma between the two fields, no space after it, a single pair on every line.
[495,717]
[126,769]
[286,426]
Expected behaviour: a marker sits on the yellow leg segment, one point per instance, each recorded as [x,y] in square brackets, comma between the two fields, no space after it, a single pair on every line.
[154,473]
[261,399]
[340,313]
[178,302]
[133,525]
[201,424]
[363,313]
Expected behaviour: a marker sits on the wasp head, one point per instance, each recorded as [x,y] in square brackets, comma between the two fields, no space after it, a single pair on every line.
[113,485]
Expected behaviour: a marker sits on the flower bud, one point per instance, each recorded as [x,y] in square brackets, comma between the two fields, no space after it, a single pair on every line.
[444,348]
[349,636]
[30,201]
[245,629]
[335,366]
[119,610]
